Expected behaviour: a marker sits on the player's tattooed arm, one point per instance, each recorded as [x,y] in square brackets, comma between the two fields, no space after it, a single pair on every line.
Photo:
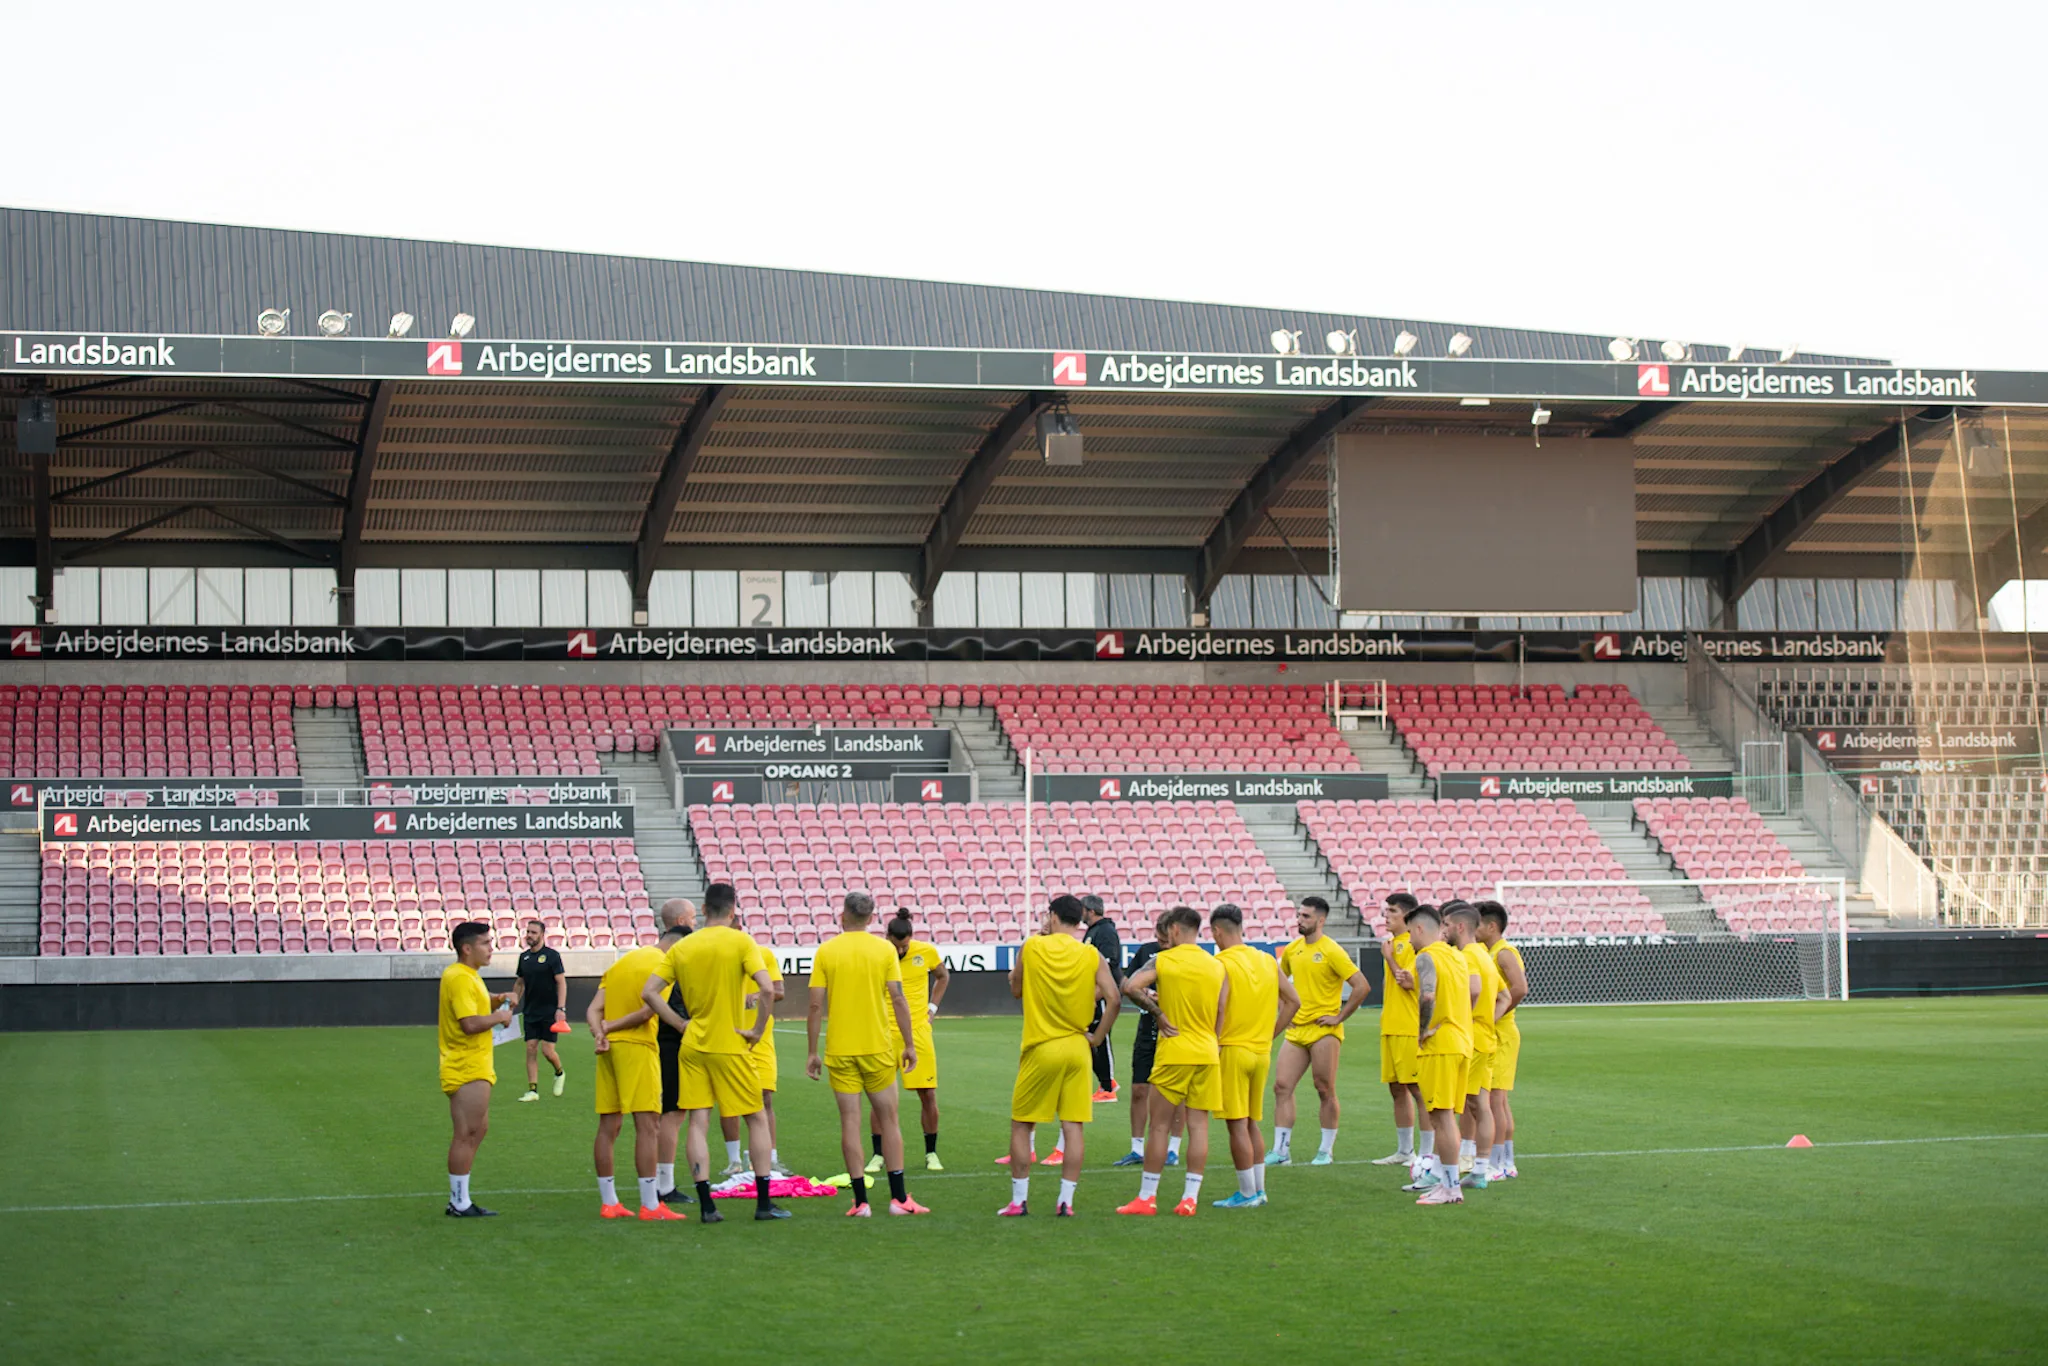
[1425,984]
[1138,990]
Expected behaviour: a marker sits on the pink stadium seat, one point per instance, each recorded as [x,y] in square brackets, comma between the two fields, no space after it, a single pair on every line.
[1111,728]
[146,731]
[1720,837]
[1533,728]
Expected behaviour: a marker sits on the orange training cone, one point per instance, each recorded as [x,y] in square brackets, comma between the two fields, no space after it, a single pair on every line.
[1800,1141]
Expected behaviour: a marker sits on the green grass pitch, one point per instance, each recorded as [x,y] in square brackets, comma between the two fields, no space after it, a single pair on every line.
[276,1196]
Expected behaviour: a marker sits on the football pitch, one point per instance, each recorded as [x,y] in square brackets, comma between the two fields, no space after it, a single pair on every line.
[276,1196]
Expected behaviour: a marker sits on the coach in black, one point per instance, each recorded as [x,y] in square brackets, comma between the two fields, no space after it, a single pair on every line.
[1142,1049]
[541,999]
[676,918]
[1101,934]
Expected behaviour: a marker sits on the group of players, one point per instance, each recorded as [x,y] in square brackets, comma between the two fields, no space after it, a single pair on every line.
[681,1028]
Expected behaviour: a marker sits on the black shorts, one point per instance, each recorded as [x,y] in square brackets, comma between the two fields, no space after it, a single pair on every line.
[668,1044]
[539,1027]
[1141,1057]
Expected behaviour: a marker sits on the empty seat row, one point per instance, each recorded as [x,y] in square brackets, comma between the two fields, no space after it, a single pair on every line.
[1600,727]
[156,731]
[1244,728]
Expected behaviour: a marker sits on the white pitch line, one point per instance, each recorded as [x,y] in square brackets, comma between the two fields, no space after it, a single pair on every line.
[957,1175]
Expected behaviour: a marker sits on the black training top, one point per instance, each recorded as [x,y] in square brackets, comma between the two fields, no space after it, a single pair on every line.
[538,969]
[1102,934]
[666,1035]
[1148,1028]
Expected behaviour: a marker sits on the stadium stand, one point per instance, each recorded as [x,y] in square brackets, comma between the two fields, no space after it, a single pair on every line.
[1536,728]
[513,731]
[334,896]
[962,866]
[1441,849]
[157,731]
[1875,696]
[1721,837]
[1081,728]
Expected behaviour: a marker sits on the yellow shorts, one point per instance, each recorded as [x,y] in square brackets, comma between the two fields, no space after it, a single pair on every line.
[926,1075]
[854,1074]
[1442,1079]
[1309,1033]
[1055,1081]
[1397,1058]
[1197,1085]
[628,1080]
[1479,1075]
[1244,1081]
[764,1060]
[454,1078]
[1505,1057]
[725,1080]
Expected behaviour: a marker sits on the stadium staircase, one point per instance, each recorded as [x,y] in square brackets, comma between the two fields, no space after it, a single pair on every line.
[1683,908]
[998,776]
[330,747]
[1300,865]
[20,883]
[1381,751]
[668,856]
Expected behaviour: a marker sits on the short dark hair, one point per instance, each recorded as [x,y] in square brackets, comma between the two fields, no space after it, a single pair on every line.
[1425,911]
[720,898]
[1230,913]
[1461,911]
[538,921]
[1402,902]
[1494,913]
[467,931]
[1092,904]
[1185,916]
[1067,909]
[899,926]
[1316,904]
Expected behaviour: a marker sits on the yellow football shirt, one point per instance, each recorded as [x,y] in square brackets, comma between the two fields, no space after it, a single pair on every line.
[1254,996]
[1485,1038]
[463,994]
[1399,1006]
[713,969]
[1502,948]
[919,961]
[1189,982]
[1452,1016]
[1320,971]
[856,968]
[1059,987]
[622,982]
[764,961]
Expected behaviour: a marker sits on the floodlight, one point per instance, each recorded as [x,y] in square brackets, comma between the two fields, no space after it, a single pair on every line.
[1674,350]
[333,322]
[1458,345]
[461,325]
[1340,343]
[1059,439]
[401,325]
[1735,352]
[1621,348]
[1286,343]
[1405,342]
[1785,357]
[271,322]
[1540,417]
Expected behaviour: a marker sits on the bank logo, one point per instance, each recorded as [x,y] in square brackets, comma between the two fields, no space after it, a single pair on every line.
[1873,787]
[931,790]
[583,645]
[1111,790]
[1109,644]
[1489,787]
[65,824]
[1653,381]
[1069,368]
[384,822]
[22,794]
[26,641]
[1825,740]
[1607,645]
[705,744]
[722,791]
[444,358]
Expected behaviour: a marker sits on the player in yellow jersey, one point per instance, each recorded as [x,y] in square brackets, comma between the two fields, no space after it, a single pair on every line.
[1475,1125]
[715,967]
[1493,928]
[737,1171]
[468,1012]
[925,979]
[1320,970]
[1398,1028]
[1261,1005]
[1193,993]
[1445,987]
[628,1081]
[1059,978]
[857,980]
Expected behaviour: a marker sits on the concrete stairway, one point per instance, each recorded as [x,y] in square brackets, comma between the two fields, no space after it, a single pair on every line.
[1379,751]
[668,856]
[1299,864]
[20,884]
[330,746]
[1683,908]
[999,777]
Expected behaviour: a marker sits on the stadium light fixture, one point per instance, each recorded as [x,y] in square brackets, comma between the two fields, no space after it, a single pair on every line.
[333,322]
[461,325]
[1674,351]
[1787,356]
[1539,418]
[401,326]
[1341,343]
[1458,345]
[1286,343]
[1405,342]
[1736,352]
[1622,348]
[272,322]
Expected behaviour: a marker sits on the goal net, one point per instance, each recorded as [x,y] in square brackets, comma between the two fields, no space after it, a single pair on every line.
[1683,939]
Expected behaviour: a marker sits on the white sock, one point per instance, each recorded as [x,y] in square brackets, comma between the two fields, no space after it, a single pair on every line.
[1148,1185]
[1192,1186]
[664,1176]
[1329,1142]
[1510,1146]
[650,1194]
[775,1157]
[1404,1141]
[1425,1142]
[1259,1178]
[1067,1192]
[1443,1177]
[1493,1158]
[1468,1150]
[732,1151]
[458,1191]
[1173,1146]
[1247,1182]
[1020,1189]
[1283,1140]
[607,1191]
[1138,1146]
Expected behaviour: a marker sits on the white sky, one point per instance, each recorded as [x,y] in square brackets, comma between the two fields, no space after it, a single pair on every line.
[1850,177]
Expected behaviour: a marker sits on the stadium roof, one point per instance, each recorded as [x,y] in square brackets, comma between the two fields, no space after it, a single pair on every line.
[918,459]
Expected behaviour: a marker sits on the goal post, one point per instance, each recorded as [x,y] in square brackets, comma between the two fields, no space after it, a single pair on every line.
[1616,941]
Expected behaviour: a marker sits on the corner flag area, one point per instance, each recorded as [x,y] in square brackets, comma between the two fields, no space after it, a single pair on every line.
[256,1195]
